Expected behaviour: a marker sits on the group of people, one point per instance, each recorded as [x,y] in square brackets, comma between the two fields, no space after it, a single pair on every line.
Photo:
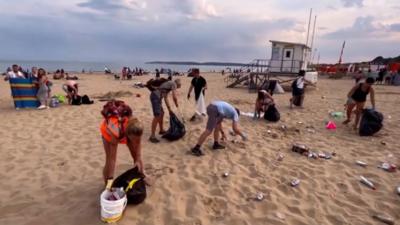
[129,130]
[382,77]
[127,72]
[43,84]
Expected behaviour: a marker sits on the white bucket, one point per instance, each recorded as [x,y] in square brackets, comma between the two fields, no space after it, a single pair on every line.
[111,211]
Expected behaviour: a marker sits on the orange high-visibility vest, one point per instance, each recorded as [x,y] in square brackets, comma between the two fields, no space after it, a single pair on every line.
[111,128]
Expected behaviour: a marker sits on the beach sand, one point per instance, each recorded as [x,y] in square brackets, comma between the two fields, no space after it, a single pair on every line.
[51,162]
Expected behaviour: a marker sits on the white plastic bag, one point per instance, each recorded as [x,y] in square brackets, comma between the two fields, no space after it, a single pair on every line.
[278,89]
[201,105]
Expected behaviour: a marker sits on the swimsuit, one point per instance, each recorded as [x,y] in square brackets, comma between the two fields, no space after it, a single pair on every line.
[359,95]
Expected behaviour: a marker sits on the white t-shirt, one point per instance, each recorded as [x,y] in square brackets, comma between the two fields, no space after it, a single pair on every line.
[300,82]
[12,74]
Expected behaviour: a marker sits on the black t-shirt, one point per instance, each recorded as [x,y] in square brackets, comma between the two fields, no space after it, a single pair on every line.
[198,84]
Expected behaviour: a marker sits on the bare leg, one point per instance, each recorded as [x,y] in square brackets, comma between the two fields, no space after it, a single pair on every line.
[349,111]
[203,137]
[217,130]
[359,109]
[154,123]
[111,156]
[161,123]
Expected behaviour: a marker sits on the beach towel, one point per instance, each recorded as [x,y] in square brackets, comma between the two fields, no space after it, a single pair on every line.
[201,105]
[24,93]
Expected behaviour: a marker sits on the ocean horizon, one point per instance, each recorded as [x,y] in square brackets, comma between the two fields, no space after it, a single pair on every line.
[78,66]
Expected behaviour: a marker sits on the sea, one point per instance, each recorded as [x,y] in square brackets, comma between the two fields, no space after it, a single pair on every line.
[71,66]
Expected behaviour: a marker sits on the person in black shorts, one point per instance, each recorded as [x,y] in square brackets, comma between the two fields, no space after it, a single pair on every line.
[357,98]
[298,87]
[156,97]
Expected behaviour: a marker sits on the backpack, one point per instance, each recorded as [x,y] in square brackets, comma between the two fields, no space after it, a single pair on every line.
[116,108]
[132,181]
[272,114]
[86,100]
[60,98]
[77,100]
[371,122]
[153,84]
[176,129]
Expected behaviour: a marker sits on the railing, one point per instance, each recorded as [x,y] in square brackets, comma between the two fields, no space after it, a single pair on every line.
[289,66]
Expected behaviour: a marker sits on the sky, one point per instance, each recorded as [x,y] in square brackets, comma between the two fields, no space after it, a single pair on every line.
[194,30]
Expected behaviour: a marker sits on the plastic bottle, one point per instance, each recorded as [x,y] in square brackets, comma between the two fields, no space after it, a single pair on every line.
[367,182]
[361,163]
[384,219]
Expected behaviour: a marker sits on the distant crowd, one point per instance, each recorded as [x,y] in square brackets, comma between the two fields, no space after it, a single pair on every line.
[383,76]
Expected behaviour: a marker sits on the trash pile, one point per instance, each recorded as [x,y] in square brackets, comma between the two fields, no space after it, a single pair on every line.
[115,194]
[304,150]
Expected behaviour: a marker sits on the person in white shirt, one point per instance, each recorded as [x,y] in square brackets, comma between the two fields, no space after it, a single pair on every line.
[298,89]
[14,73]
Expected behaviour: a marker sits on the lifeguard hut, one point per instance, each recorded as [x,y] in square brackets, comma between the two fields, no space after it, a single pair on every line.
[288,57]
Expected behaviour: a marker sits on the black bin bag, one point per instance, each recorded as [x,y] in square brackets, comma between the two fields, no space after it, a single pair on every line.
[371,122]
[132,181]
[176,129]
[272,114]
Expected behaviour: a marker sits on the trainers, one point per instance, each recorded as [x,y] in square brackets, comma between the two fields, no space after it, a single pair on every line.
[42,107]
[218,146]
[197,152]
[154,140]
[162,132]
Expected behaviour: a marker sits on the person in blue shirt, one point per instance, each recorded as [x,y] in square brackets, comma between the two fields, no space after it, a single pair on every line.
[217,111]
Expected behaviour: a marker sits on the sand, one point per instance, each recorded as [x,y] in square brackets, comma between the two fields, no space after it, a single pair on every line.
[51,163]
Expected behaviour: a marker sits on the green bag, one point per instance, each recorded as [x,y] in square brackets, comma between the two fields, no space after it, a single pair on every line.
[60,98]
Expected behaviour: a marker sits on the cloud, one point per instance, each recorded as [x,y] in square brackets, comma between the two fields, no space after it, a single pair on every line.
[395,27]
[194,9]
[111,5]
[353,3]
[117,30]
[362,27]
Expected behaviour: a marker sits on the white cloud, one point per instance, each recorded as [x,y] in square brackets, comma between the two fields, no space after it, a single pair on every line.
[353,3]
[217,28]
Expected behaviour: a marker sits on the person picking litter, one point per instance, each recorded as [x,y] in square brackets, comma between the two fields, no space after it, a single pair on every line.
[199,84]
[217,111]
